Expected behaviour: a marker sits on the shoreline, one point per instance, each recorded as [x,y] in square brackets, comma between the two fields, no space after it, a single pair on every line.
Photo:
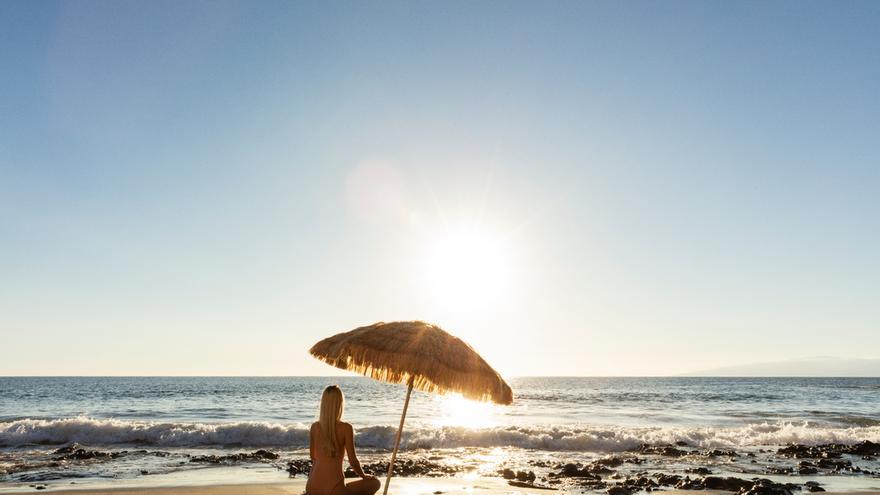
[268,480]
[403,486]
[832,468]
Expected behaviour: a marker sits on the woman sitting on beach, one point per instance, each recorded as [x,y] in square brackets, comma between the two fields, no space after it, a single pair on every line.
[329,440]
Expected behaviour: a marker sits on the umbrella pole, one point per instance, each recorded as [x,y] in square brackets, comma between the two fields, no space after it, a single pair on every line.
[399,431]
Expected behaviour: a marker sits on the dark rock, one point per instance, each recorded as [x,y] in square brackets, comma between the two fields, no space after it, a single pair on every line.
[681,443]
[780,470]
[807,451]
[68,449]
[619,490]
[720,453]
[257,456]
[830,450]
[805,468]
[688,484]
[609,461]
[75,452]
[508,474]
[699,470]
[767,487]
[835,464]
[664,450]
[730,484]
[417,467]
[597,469]
[298,466]
[571,470]
[523,484]
[667,479]
[525,476]
[265,455]
[640,483]
[866,448]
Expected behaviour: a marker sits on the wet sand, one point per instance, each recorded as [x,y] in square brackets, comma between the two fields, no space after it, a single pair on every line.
[259,489]
[405,487]
[400,486]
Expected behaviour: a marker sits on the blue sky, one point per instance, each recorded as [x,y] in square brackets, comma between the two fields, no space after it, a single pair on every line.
[627,188]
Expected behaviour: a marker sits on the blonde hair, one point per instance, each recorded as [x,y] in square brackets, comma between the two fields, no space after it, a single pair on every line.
[332,403]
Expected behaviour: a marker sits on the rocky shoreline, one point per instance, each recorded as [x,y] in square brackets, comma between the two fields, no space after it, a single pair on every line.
[603,474]
[647,468]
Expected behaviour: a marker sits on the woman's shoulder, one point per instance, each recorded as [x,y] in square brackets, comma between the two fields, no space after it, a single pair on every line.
[345,426]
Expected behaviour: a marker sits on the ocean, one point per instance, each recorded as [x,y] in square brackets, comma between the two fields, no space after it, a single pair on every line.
[162,424]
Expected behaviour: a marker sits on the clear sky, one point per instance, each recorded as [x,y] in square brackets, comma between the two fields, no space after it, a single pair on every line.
[575,188]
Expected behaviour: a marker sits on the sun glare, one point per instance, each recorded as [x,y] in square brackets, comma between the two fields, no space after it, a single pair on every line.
[455,410]
[467,268]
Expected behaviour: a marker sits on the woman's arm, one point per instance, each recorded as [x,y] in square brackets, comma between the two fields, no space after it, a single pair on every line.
[312,442]
[352,456]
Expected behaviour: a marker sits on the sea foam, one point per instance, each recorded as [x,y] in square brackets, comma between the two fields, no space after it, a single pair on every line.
[591,438]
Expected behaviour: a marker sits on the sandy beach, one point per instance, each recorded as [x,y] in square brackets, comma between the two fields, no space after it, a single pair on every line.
[261,481]
[211,483]
[258,489]
[411,486]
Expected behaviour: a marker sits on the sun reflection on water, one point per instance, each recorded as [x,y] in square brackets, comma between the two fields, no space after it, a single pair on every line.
[455,410]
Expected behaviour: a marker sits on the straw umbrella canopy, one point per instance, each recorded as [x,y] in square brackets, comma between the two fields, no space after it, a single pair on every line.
[418,354]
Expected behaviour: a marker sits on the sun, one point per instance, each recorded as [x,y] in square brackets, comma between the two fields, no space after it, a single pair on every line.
[465,267]
[455,410]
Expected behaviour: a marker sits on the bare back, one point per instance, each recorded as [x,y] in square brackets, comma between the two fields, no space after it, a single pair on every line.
[326,476]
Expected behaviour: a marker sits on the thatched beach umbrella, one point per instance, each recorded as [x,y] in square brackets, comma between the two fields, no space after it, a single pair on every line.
[417,354]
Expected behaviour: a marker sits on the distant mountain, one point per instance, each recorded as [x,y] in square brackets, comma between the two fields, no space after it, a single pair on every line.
[811,366]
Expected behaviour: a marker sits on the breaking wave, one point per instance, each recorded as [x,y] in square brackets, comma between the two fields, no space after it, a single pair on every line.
[590,438]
